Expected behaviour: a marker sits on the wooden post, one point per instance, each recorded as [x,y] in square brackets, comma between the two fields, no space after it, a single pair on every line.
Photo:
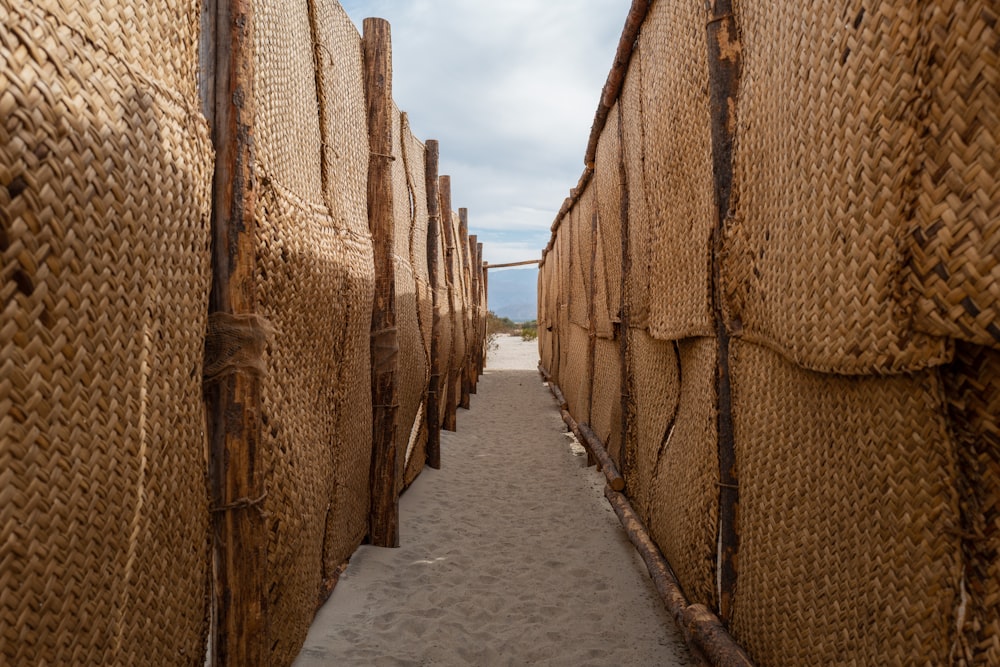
[233,400]
[592,324]
[474,303]
[383,517]
[629,425]
[724,57]
[451,375]
[482,310]
[433,258]
[486,305]
[465,380]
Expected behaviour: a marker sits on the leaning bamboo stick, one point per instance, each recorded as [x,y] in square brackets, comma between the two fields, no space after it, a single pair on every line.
[233,401]
[383,517]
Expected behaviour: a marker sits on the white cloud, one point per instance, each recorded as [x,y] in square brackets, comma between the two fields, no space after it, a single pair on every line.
[510,90]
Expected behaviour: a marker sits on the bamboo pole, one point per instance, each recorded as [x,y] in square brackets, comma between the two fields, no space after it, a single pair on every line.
[383,517]
[465,379]
[433,258]
[629,424]
[233,401]
[724,56]
[702,629]
[450,376]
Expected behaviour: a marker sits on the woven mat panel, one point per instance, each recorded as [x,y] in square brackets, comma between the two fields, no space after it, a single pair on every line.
[412,375]
[634,156]
[848,517]
[606,411]
[160,41]
[973,390]
[315,288]
[288,139]
[824,189]
[343,119]
[608,180]
[446,342]
[655,389]
[573,378]
[458,336]
[104,278]
[677,168]
[413,154]
[684,492]
[560,374]
[576,226]
[956,241]
[602,323]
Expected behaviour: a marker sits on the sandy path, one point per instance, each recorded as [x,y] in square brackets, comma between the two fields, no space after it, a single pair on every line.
[510,555]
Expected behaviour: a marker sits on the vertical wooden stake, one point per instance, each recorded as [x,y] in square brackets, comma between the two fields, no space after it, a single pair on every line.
[233,401]
[433,412]
[383,517]
[486,305]
[481,296]
[629,426]
[724,57]
[465,381]
[474,303]
[450,375]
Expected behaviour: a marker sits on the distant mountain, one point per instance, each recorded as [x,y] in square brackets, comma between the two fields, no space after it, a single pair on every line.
[514,293]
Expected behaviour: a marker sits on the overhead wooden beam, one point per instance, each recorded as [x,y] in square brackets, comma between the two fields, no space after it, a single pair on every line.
[487,265]
[383,516]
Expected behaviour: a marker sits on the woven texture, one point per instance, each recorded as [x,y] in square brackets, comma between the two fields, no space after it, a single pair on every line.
[634,155]
[445,324]
[848,515]
[678,168]
[413,158]
[104,277]
[973,388]
[315,282]
[606,408]
[654,386]
[579,232]
[412,375]
[684,493]
[573,378]
[814,260]
[956,240]
[608,182]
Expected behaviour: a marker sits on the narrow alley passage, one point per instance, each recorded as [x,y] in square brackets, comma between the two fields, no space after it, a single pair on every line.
[509,554]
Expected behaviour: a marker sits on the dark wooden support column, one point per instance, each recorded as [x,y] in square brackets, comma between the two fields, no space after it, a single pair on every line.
[450,375]
[724,56]
[233,399]
[465,380]
[475,345]
[383,517]
[481,267]
[431,157]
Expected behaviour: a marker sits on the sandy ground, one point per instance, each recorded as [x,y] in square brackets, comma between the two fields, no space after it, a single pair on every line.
[510,554]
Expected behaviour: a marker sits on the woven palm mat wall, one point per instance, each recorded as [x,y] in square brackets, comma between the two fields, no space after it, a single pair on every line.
[315,288]
[678,166]
[636,292]
[412,374]
[608,181]
[574,379]
[606,405]
[818,264]
[414,153]
[104,276]
[848,515]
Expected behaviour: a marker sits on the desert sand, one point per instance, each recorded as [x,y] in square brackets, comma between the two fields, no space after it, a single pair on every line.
[510,555]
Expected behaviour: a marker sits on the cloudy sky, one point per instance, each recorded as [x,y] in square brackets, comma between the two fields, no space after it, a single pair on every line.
[510,90]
